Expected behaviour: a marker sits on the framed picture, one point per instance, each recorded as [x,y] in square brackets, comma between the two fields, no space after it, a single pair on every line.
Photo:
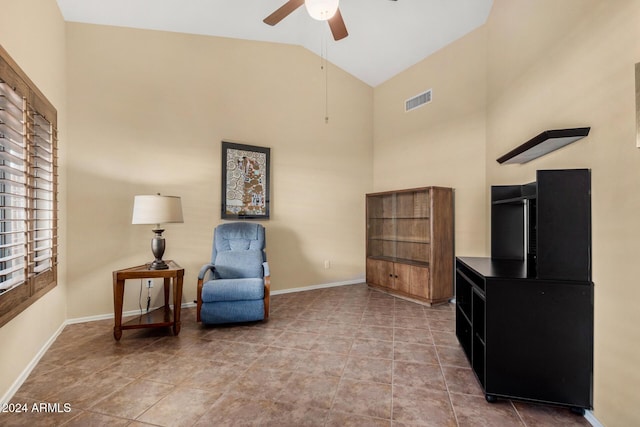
[245,181]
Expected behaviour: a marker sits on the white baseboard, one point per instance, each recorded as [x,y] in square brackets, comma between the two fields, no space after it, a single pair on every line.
[124,314]
[592,419]
[321,286]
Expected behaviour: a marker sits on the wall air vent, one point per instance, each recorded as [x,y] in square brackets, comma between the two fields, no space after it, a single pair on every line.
[418,101]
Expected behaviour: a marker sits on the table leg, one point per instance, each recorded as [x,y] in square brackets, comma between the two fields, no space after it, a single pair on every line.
[167,286]
[118,296]
[177,303]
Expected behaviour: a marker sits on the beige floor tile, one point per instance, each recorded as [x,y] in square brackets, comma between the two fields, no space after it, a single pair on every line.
[261,383]
[444,338]
[363,398]
[411,374]
[340,419]
[382,333]
[326,364]
[475,410]
[309,391]
[461,380]
[416,336]
[541,416]
[452,356]
[86,419]
[418,353]
[423,407]
[86,392]
[412,322]
[369,369]
[367,347]
[133,399]
[332,344]
[180,408]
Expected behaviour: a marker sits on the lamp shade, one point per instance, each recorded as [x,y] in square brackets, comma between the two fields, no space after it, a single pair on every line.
[156,209]
[321,10]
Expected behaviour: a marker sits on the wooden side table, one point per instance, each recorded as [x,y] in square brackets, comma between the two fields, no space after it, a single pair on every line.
[160,317]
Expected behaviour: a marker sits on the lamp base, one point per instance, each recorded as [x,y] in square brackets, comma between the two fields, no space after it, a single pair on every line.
[158,265]
[157,247]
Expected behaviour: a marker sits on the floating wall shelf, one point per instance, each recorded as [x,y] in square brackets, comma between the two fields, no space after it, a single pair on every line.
[546,142]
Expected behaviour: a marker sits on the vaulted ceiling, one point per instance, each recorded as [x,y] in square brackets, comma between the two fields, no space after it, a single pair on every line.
[385,37]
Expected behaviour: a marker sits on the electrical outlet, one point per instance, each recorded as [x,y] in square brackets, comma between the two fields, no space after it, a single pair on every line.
[149,283]
[327,264]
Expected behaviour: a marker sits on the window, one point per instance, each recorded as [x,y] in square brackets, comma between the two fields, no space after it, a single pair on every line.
[28,191]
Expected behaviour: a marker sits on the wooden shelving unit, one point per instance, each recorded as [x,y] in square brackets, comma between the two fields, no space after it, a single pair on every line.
[410,243]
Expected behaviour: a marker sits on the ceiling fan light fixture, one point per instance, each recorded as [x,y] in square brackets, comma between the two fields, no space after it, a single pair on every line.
[322,10]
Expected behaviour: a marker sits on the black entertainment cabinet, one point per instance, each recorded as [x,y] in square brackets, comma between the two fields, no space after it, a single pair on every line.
[524,317]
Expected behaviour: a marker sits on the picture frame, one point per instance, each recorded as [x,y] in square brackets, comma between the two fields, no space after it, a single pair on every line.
[245,180]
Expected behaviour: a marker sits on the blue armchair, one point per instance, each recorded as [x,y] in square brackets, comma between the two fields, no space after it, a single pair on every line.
[234,286]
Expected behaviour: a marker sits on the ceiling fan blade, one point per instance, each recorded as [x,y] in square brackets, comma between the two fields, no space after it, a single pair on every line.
[283,12]
[338,29]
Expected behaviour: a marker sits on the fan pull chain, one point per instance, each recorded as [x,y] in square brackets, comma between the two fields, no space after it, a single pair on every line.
[326,94]
[324,65]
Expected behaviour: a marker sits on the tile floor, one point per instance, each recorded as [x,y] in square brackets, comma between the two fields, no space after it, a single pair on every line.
[344,356]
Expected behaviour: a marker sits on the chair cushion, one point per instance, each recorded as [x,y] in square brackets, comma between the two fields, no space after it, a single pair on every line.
[233,290]
[236,235]
[239,264]
[239,244]
[232,311]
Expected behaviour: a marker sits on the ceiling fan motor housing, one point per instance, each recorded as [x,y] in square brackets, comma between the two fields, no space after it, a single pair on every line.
[322,10]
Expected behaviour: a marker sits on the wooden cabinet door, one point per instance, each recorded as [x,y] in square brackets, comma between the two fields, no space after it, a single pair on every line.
[380,273]
[402,276]
[420,282]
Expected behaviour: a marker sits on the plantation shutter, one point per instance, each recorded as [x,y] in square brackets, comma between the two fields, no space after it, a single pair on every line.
[28,191]
[41,197]
[13,188]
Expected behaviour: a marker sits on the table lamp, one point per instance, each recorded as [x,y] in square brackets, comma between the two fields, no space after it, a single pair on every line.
[157,210]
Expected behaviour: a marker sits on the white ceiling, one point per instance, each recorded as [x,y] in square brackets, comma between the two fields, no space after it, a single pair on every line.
[385,37]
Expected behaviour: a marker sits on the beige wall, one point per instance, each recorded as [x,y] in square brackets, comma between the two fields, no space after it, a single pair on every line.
[148,111]
[535,65]
[37,43]
[441,143]
[567,64]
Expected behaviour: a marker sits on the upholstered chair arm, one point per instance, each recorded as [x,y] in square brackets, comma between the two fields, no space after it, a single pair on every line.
[201,275]
[267,289]
[205,268]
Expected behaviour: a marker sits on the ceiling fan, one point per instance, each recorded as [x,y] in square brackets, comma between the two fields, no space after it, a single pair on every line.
[322,10]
